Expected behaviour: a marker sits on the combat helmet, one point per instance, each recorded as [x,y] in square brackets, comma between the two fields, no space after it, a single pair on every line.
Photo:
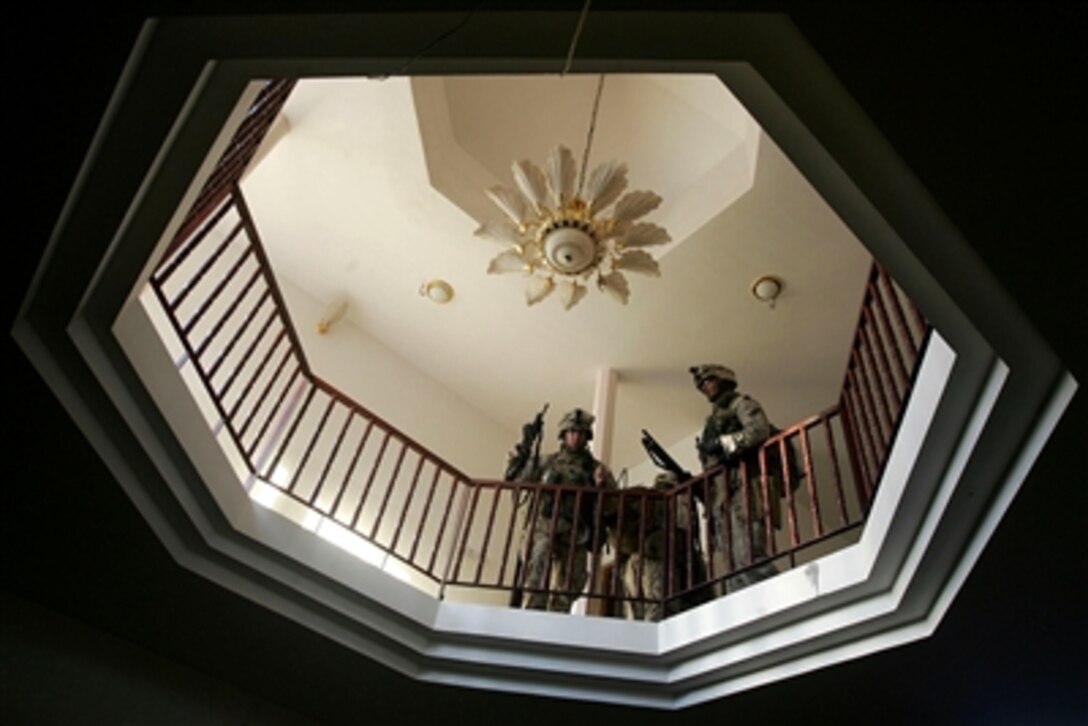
[577,419]
[713,370]
[665,480]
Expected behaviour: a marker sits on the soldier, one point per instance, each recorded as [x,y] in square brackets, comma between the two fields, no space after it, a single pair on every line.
[645,572]
[734,432]
[554,534]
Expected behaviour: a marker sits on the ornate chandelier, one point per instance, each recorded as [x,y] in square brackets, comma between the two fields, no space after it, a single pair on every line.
[562,235]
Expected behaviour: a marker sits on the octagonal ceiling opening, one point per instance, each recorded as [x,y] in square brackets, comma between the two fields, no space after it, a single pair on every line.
[349,146]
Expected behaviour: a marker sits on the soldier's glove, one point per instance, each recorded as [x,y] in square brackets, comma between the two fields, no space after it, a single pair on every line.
[730,444]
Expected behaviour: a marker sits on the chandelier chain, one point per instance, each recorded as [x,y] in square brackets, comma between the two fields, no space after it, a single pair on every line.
[574,40]
[403,70]
[589,135]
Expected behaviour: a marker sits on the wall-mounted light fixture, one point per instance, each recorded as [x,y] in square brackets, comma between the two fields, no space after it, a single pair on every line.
[332,313]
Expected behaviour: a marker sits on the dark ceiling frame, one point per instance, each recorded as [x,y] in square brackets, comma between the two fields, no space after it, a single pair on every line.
[177,95]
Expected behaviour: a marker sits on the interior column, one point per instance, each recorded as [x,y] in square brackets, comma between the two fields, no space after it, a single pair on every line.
[604,409]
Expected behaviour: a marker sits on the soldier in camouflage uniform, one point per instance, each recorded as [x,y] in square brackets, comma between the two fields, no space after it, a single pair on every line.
[550,549]
[645,572]
[734,432]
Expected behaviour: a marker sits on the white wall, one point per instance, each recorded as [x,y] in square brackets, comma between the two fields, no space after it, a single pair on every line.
[398,392]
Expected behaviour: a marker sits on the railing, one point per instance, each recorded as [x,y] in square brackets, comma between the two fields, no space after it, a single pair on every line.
[806,510]
[801,511]
[331,457]
[888,345]
[290,427]
[239,153]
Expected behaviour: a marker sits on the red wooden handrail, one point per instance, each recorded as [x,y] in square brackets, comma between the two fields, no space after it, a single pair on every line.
[215,340]
[873,399]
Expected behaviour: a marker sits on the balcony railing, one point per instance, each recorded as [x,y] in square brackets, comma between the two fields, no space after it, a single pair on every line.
[347,463]
[887,348]
[811,485]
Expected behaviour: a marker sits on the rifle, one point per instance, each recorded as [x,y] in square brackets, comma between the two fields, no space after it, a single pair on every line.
[528,446]
[531,433]
[661,458]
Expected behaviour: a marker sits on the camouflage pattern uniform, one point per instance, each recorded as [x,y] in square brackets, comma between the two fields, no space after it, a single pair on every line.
[734,431]
[572,529]
[644,573]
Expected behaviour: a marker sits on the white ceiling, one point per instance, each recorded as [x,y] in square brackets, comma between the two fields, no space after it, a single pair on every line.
[376,186]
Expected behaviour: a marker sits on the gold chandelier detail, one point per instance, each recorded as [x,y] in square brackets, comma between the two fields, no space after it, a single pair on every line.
[563,236]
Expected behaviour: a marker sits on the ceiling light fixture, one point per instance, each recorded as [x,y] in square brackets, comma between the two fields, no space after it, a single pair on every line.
[767,288]
[439,292]
[561,236]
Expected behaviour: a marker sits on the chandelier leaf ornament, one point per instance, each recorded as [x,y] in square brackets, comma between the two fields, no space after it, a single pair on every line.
[565,231]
